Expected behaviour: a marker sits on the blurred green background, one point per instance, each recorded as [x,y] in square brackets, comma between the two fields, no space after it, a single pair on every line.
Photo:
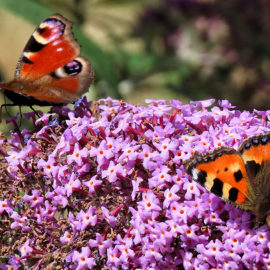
[168,49]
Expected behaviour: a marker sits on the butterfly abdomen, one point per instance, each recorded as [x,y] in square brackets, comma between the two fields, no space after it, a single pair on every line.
[18,98]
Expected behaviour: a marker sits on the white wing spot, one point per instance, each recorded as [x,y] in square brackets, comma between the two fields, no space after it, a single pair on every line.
[195,173]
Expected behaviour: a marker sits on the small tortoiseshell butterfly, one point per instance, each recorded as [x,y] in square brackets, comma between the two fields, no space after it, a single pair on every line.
[50,70]
[241,177]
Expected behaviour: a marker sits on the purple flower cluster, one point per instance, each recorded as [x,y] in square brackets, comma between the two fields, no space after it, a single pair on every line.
[105,187]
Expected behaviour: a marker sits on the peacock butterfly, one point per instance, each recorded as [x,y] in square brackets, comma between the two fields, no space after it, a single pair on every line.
[50,70]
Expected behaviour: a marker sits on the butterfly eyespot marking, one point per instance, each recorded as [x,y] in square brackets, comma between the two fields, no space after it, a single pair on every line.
[73,68]
[255,141]
[264,140]
[206,159]
[48,31]
[247,145]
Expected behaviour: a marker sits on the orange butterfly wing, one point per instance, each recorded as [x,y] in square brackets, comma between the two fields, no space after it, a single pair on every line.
[241,177]
[51,46]
[223,173]
[50,69]
[255,152]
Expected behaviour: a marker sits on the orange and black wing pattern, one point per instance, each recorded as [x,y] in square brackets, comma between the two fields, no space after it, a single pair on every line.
[255,152]
[51,46]
[223,173]
[50,68]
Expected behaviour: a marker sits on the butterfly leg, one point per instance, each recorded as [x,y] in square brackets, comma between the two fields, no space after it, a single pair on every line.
[1,110]
[36,113]
[20,110]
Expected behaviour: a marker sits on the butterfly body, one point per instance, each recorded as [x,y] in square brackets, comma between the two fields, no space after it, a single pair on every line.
[241,177]
[50,70]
